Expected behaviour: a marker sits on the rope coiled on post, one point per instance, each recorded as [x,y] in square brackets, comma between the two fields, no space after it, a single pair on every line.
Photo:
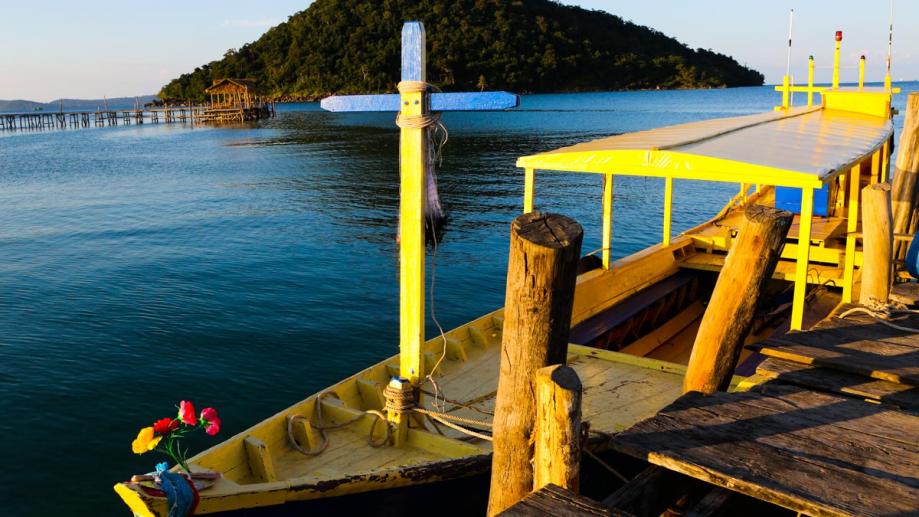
[416,121]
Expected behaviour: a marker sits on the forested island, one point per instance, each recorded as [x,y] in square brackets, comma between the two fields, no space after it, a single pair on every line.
[351,46]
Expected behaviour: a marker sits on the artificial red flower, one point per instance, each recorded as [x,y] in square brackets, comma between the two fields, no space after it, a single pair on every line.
[165,425]
[187,413]
[211,420]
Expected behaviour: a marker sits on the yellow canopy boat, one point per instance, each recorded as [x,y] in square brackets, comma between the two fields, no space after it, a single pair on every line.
[633,324]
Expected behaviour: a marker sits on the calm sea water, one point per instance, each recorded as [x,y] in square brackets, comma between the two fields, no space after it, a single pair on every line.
[247,267]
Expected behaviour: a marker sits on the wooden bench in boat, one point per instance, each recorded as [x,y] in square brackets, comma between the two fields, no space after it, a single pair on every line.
[595,327]
[812,452]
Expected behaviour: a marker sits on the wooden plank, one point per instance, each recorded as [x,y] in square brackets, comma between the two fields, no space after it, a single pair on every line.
[651,492]
[552,500]
[811,452]
[461,101]
[834,381]
[844,350]
[714,503]
[260,462]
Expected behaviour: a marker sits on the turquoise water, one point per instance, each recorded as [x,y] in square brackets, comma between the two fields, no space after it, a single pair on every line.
[248,267]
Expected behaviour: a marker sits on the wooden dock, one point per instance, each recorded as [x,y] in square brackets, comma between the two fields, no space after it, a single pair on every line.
[192,114]
[833,433]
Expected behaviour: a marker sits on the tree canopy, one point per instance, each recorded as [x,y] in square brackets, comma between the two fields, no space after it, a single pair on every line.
[353,46]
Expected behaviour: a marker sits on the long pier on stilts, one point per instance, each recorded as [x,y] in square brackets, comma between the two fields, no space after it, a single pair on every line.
[41,120]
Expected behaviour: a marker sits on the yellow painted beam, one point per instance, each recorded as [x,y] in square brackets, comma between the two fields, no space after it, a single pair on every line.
[607,218]
[861,73]
[836,61]
[885,161]
[668,209]
[529,180]
[852,227]
[804,236]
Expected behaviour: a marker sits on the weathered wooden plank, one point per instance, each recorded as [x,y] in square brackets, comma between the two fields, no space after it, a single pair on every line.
[552,500]
[471,101]
[850,349]
[714,503]
[651,492]
[811,452]
[834,381]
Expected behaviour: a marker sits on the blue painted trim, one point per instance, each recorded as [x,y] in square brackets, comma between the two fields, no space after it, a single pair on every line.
[413,52]
[469,101]
[388,102]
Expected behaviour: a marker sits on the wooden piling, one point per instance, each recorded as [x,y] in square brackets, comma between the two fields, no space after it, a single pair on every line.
[877,243]
[748,266]
[557,454]
[905,189]
[542,269]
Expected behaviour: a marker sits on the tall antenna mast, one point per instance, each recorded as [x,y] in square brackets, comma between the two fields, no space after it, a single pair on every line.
[887,78]
[791,24]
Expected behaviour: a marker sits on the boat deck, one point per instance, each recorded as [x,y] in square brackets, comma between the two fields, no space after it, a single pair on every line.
[815,439]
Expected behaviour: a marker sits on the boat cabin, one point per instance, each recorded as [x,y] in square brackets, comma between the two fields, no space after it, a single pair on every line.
[811,160]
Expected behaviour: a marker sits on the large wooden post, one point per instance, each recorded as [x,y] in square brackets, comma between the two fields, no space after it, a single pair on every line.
[557,454]
[748,266]
[541,275]
[877,243]
[904,189]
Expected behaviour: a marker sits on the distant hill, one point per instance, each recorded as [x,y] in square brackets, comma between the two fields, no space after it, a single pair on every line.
[74,104]
[349,46]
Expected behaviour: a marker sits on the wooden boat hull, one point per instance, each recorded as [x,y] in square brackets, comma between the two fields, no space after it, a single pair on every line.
[260,467]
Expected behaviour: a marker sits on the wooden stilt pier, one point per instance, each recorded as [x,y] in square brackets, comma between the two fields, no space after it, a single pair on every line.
[167,114]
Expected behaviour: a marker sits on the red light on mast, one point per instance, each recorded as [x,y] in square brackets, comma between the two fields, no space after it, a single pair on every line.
[838,35]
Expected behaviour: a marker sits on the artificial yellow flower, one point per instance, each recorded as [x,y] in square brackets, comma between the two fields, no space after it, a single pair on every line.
[145,441]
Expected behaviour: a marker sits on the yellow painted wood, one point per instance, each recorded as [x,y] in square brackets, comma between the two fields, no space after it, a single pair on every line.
[797,306]
[668,209]
[810,81]
[786,93]
[835,82]
[876,167]
[784,270]
[861,73]
[885,161]
[529,180]
[869,102]
[260,461]
[607,218]
[848,282]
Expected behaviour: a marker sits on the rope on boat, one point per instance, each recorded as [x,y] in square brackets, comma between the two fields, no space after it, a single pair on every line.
[884,313]
[322,428]
[445,419]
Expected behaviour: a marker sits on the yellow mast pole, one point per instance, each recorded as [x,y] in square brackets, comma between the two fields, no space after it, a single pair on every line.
[529,180]
[848,281]
[668,208]
[810,80]
[413,158]
[836,60]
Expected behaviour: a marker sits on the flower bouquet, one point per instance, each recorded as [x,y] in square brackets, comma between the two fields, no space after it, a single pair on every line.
[165,435]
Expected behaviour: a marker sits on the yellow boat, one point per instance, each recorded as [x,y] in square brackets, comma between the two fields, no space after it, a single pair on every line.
[634,320]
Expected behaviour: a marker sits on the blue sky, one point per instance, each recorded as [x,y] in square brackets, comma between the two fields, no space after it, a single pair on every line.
[90,49]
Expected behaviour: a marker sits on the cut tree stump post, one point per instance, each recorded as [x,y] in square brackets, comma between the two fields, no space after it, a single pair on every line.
[877,244]
[905,190]
[541,275]
[557,455]
[748,266]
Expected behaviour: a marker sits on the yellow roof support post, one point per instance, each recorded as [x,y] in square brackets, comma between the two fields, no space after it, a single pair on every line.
[861,73]
[529,179]
[804,237]
[848,282]
[836,60]
[885,161]
[668,208]
[786,92]
[607,218]
[810,80]
[876,167]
